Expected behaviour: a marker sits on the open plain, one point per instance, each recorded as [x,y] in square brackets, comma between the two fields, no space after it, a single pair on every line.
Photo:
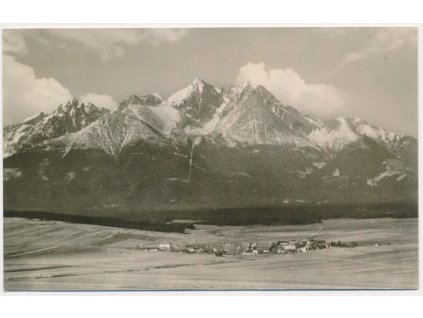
[58,256]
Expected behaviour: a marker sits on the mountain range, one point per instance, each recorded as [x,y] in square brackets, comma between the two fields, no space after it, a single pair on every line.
[203,147]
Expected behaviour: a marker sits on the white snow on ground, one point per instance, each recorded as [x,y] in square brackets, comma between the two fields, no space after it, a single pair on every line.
[182,94]
[313,121]
[17,134]
[375,181]
[392,168]
[169,116]
[374,132]
[44,127]
[214,122]
[11,173]
[334,139]
[243,174]
[401,177]
[319,165]
[12,138]
[70,176]
[228,121]
[335,173]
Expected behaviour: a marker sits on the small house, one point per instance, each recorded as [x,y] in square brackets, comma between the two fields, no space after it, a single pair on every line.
[288,245]
[165,246]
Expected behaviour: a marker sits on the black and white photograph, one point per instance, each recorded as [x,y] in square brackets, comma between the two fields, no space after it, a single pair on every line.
[244,158]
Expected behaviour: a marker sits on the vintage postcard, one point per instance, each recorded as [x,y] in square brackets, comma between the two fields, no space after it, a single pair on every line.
[242,158]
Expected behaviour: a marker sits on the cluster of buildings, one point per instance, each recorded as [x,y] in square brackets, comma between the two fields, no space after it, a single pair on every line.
[220,249]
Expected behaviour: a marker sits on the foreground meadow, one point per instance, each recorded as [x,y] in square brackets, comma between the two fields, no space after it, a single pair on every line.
[49,255]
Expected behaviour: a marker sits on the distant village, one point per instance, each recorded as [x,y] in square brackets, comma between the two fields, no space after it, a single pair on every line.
[221,249]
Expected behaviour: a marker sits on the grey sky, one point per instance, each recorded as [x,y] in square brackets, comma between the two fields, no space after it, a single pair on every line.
[369,73]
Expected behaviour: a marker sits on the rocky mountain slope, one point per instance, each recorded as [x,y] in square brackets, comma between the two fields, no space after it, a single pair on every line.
[203,147]
[67,118]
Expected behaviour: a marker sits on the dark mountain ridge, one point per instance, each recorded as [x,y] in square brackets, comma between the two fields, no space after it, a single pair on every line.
[201,149]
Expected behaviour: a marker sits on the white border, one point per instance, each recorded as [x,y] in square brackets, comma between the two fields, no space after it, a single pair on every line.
[362,292]
[297,13]
[249,293]
[210,11]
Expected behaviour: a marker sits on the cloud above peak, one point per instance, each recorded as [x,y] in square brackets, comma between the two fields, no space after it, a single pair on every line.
[322,100]
[25,94]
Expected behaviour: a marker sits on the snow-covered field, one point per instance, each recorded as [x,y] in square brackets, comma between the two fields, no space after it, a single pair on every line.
[47,255]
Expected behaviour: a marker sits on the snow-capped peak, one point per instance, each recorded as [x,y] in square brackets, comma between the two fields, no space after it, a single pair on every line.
[67,118]
[197,86]
[246,111]
[74,102]
[74,105]
[240,93]
[197,102]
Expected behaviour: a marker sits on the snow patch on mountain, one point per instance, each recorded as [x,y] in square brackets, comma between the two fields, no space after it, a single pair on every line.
[169,116]
[197,102]
[334,135]
[393,167]
[125,127]
[374,182]
[67,118]
[319,165]
[240,116]
[70,176]
[374,132]
[197,86]
[12,173]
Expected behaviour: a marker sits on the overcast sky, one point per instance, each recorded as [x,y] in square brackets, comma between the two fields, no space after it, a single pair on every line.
[369,73]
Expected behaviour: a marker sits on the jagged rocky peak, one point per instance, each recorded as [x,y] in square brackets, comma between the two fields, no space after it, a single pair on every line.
[288,115]
[197,87]
[248,139]
[74,115]
[147,100]
[251,122]
[74,103]
[67,118]
[199,82]
[77,109]
[198,101]
[248,113]
[239,93]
